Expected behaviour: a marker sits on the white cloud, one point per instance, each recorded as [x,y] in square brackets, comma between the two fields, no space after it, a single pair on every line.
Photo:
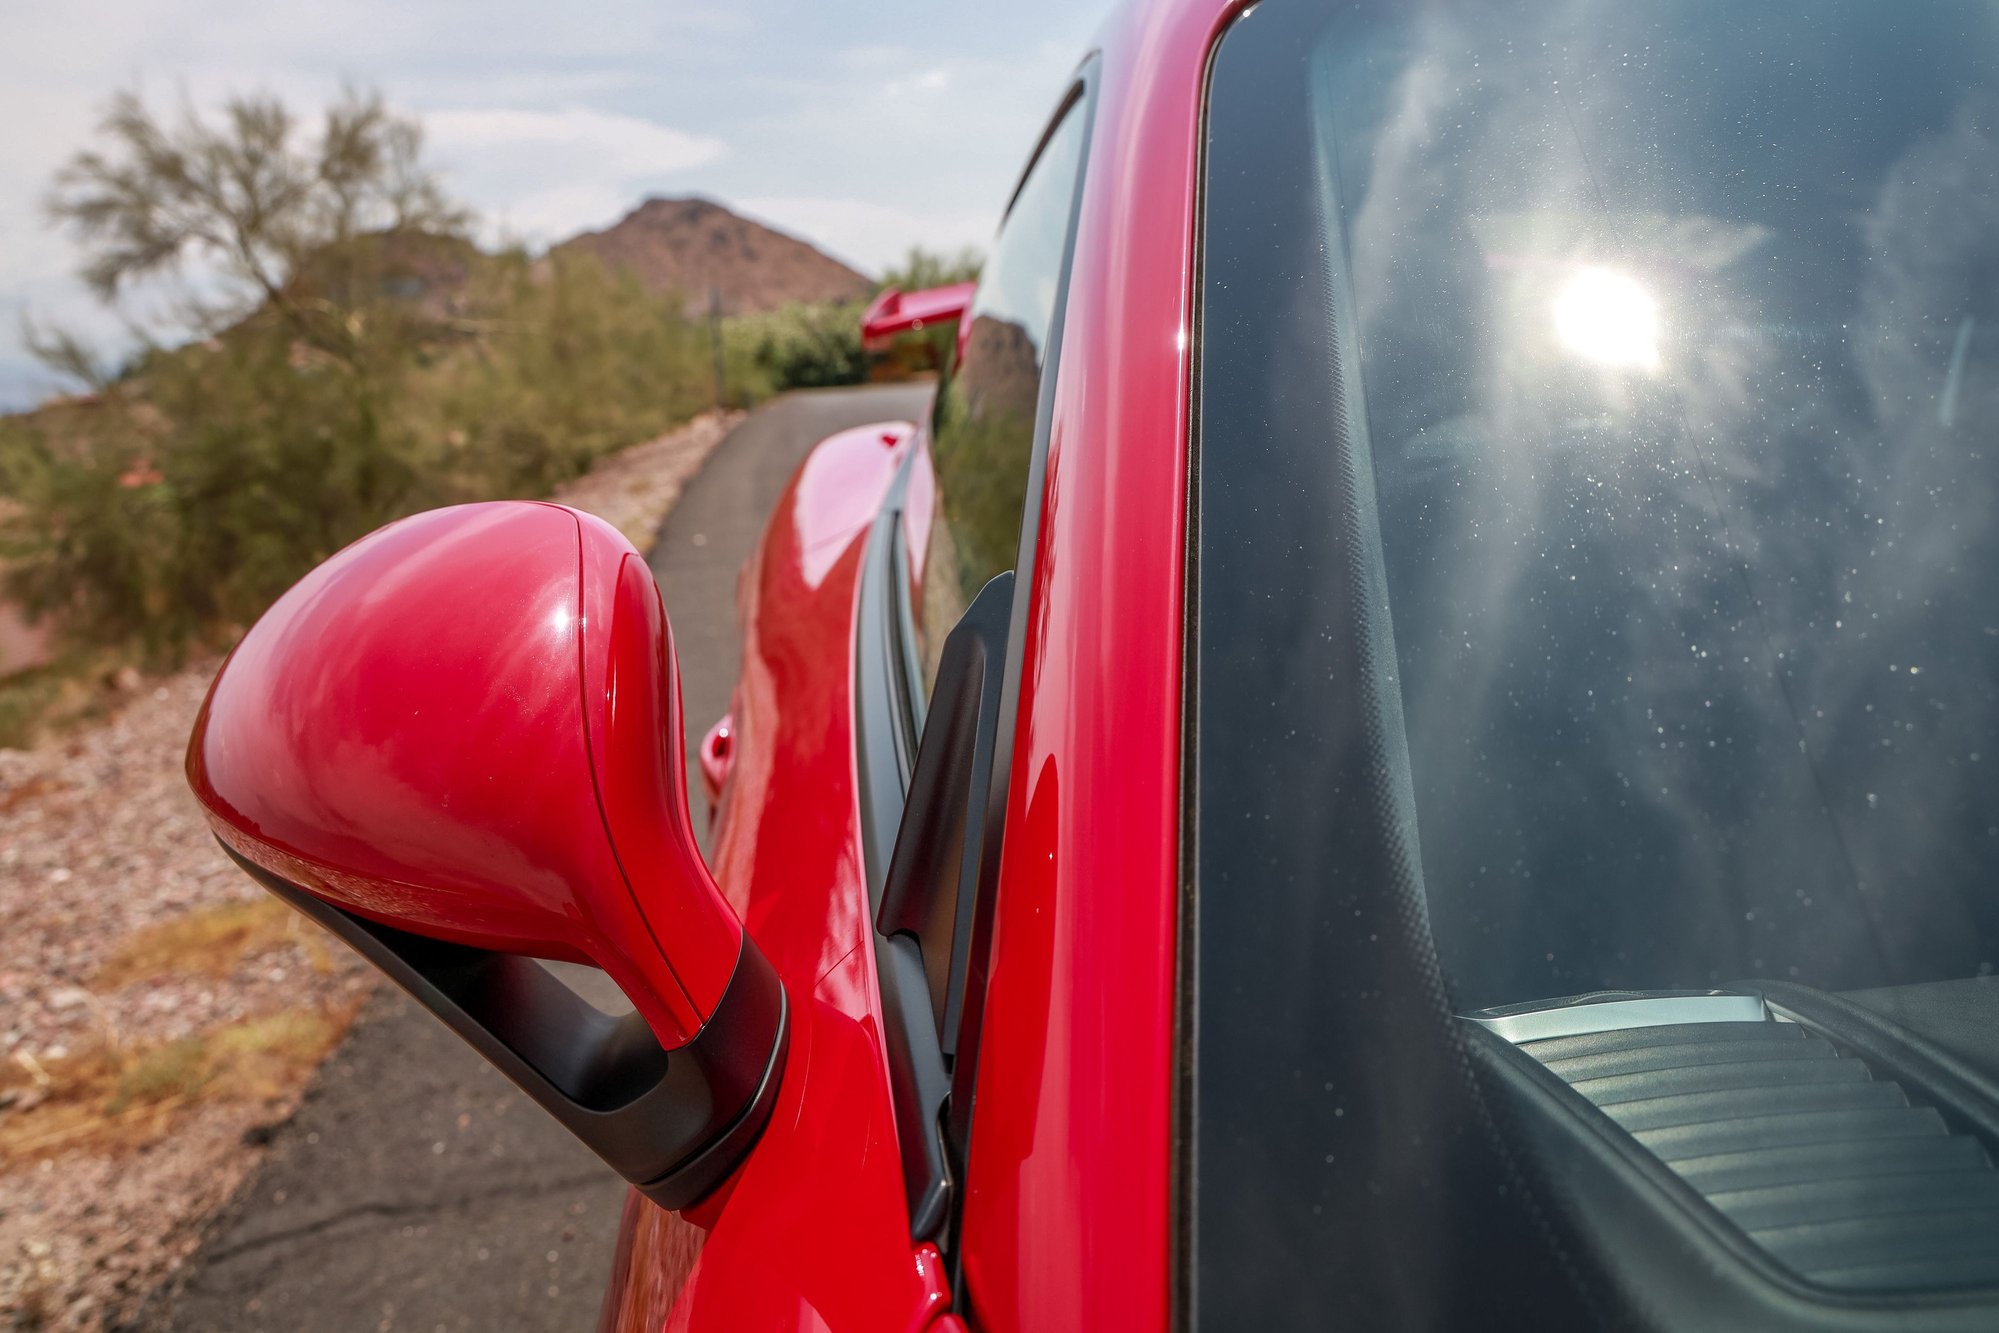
[917,85]
[871,234]
[538,176]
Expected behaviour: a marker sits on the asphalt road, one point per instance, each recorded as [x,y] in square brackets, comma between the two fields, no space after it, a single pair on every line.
[718,521]
[415,1188]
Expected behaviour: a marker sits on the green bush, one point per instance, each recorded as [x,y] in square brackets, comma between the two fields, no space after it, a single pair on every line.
[185,502]
[574,361]
[922,268]
[800,346]
[170,510]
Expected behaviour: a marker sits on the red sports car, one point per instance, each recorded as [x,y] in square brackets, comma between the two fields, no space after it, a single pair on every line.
[1414,744]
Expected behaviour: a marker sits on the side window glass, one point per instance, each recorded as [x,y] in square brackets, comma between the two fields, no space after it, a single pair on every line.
[982,426]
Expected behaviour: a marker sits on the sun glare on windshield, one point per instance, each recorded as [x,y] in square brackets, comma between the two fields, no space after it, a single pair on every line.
[1607,316]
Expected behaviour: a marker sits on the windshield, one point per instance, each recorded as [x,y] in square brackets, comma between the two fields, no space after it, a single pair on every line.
[1595,588]
[1678,338]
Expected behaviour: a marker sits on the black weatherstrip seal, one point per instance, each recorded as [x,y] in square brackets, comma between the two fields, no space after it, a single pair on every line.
[885,734]
[1182,1178]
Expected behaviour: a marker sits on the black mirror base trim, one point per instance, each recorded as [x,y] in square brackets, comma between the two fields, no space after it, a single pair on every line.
[698,1175]
[673,1123]
[918,1081]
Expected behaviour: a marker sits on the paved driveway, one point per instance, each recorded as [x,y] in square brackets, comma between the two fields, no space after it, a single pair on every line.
[416,1189]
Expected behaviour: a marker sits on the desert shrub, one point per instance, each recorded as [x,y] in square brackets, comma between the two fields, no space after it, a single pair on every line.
[189,489]
[183,503]
[575,360]
[171,509]
[801,346]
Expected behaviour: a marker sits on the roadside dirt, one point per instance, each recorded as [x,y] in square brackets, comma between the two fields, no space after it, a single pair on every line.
[158,1016]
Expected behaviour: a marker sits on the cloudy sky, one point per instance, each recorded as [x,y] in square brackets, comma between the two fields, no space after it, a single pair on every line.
[865,128]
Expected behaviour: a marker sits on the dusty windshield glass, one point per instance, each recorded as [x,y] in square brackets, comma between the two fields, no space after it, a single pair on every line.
[1678,335]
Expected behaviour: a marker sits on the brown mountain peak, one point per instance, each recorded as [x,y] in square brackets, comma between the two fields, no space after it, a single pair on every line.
[692,245]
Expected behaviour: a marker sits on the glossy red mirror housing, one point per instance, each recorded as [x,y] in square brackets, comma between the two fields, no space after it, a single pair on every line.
[894,311]
[467,726]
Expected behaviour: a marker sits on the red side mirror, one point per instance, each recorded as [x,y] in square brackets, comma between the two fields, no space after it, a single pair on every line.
[894,312]
[457,743]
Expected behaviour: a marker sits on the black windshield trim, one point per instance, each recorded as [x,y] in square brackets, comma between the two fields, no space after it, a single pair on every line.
[1332,1046]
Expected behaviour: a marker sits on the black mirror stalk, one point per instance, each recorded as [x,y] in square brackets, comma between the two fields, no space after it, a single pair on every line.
[673,1124]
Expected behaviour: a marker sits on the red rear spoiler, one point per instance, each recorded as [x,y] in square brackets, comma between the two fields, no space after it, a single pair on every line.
[896,312]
